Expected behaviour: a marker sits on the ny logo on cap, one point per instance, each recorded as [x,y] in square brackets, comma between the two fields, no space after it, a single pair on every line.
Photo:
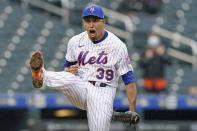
[92,9]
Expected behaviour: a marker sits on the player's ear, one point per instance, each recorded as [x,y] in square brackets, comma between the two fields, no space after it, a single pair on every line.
[83,23]
[104,20]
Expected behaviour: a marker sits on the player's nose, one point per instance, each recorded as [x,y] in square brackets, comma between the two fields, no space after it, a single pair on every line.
[91,24]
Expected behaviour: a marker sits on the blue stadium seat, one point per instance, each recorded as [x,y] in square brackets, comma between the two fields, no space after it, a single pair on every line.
[16,75]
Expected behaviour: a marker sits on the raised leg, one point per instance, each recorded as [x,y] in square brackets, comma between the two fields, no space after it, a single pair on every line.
[68,84]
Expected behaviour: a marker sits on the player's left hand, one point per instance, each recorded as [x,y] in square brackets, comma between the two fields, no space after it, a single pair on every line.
[134,117]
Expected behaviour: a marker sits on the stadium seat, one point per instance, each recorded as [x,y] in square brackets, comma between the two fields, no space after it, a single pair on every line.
[35,29]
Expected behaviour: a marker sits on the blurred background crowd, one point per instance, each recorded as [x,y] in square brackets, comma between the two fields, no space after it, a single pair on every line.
[161,36]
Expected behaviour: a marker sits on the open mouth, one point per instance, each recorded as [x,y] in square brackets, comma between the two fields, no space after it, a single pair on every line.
[92,31]
[92,34]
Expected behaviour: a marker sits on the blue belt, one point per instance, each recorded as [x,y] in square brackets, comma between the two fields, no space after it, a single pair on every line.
[101,84]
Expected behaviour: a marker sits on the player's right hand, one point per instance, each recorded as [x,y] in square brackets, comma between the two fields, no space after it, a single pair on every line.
[72,69]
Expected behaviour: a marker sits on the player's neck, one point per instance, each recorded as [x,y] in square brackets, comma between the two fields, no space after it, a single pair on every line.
[103,38]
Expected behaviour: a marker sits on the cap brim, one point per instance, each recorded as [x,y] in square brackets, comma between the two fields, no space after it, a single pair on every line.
[92,15]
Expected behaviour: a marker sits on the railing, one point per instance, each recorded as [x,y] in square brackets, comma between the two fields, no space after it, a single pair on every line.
[50,8]
[181,55]
[64,12]
[192,59]
[128,34]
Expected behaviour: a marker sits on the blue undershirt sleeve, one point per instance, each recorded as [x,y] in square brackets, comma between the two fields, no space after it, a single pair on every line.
[68,63]
[128,78]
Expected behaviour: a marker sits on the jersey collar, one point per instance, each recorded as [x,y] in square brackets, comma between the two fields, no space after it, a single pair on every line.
[105,36]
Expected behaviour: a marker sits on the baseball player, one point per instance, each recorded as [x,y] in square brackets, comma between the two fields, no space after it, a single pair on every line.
[95,60]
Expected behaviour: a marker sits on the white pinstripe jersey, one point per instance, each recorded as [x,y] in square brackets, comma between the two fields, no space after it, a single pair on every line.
[102,62]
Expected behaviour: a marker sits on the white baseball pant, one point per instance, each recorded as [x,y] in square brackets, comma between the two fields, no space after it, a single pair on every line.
[97,101]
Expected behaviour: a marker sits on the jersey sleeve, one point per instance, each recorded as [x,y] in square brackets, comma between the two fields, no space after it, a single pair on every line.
[70,56]
[124,63]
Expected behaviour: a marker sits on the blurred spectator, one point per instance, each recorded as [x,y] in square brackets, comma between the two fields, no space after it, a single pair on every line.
[153,62]
[152,6]
[193,90]
[130,6]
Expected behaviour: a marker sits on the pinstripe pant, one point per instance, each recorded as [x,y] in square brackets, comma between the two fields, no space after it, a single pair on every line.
[97,101]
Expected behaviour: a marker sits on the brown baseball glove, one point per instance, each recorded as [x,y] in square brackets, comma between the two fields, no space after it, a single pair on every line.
[126,117]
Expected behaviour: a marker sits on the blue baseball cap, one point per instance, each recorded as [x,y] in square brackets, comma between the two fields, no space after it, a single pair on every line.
[93,10]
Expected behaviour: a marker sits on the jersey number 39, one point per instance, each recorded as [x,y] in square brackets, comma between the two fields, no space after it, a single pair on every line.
[108,74]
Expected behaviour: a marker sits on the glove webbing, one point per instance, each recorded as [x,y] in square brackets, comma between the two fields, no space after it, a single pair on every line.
[121,116]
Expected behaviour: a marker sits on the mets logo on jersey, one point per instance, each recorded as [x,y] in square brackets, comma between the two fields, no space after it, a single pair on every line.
[101,58]
[127,59]
[92,9]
